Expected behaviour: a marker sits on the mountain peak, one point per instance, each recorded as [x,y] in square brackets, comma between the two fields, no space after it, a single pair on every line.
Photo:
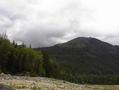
[85,42]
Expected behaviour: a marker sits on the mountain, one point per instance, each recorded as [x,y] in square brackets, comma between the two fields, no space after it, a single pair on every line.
[86,55]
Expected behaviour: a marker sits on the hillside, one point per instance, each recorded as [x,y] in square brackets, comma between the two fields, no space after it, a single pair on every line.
[86,56]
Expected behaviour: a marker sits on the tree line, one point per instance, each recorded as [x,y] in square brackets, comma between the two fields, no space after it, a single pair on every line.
[19,59]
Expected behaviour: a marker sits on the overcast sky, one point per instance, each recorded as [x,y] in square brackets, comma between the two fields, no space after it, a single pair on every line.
[47,22]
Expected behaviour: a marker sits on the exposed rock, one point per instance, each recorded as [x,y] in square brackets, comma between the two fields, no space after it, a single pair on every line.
[4,87]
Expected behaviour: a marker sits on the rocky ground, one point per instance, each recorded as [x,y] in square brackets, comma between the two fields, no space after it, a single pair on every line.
[41,83]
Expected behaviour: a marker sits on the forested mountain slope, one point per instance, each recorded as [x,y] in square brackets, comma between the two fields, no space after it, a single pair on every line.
[86,56]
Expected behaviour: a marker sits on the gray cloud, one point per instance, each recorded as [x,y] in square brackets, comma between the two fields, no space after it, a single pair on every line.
[47,22]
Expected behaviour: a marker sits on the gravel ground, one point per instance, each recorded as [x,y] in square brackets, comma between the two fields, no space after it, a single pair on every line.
[41,83]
